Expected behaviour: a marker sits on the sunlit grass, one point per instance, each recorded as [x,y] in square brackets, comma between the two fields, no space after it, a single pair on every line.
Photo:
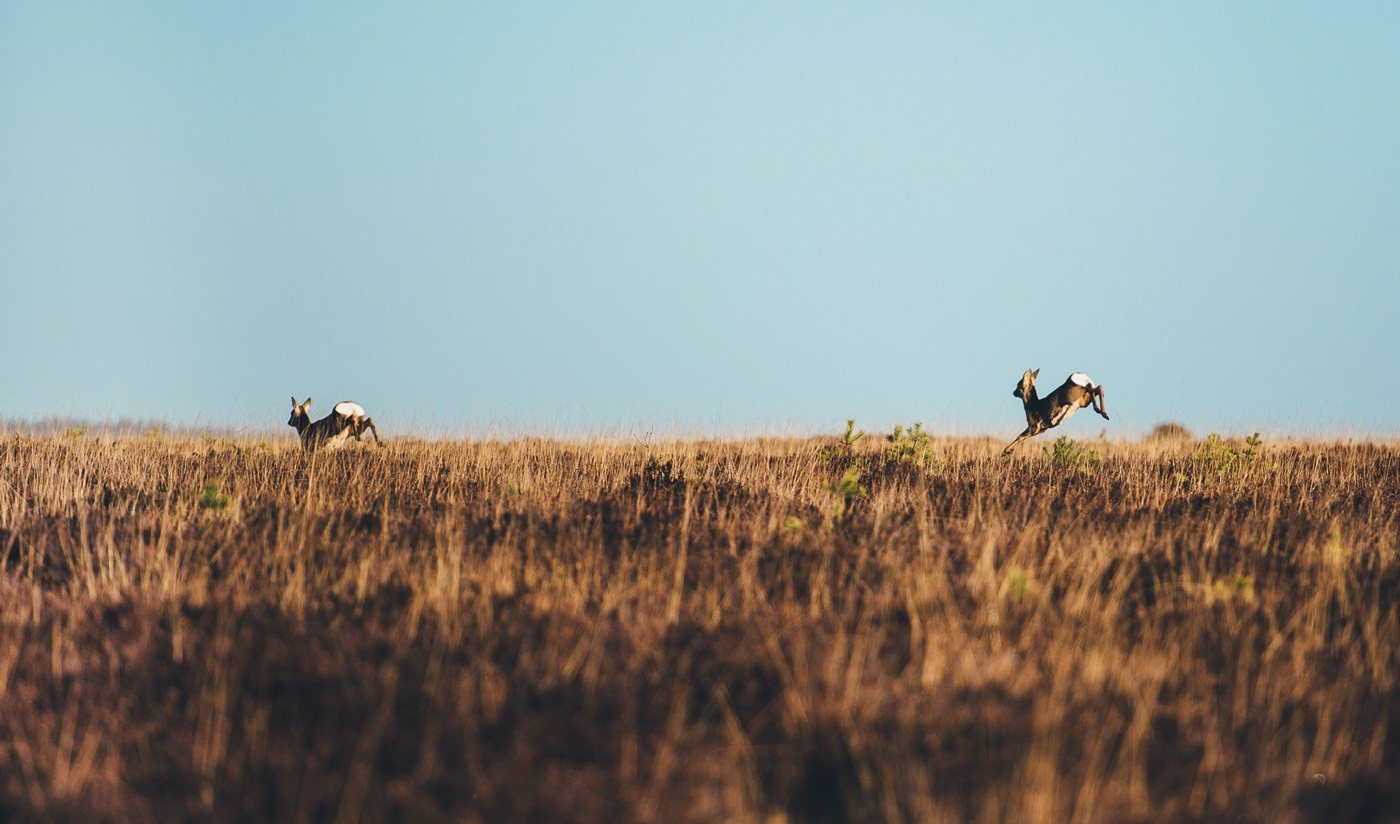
[903,628]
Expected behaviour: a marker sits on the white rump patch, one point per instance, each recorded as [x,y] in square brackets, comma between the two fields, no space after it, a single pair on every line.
[349,409]
[1078,377]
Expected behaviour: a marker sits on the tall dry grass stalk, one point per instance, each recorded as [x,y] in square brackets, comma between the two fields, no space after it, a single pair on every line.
[758,630]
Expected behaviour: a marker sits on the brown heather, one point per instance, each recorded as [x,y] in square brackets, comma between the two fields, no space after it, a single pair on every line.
[537,630]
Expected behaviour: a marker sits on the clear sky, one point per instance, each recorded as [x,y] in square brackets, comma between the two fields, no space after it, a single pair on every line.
[707,216]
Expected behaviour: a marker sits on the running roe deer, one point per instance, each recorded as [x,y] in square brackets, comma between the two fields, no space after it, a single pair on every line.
[347,420]
[1077,392]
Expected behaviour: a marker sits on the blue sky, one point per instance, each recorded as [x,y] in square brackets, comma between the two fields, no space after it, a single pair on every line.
[715,217]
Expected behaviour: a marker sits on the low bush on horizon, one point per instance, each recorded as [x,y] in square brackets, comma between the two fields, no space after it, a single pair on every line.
[899,628]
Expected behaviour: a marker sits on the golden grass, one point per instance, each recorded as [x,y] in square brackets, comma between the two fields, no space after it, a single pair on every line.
[696,631]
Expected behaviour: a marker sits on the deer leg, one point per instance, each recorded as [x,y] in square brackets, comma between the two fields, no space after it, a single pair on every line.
[1021,437]
[369,423]
[1098,407]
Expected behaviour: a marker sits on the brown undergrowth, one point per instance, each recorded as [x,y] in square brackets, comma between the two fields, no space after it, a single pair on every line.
[760,630]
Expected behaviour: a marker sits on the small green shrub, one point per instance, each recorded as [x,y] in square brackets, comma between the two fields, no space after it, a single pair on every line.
[1066,454]
[849,489]
[1018,582]
[1238,588]
[909,446]
[1220,456]
[849,439]
[842,448]
[212,499]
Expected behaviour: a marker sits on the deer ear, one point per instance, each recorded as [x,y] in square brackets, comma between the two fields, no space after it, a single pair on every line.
[308,402]
[294,401]
[1034,375]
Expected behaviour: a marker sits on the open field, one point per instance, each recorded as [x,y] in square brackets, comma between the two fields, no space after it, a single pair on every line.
[760,630]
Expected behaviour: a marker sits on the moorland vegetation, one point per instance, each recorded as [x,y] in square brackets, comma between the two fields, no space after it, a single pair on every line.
[895,627]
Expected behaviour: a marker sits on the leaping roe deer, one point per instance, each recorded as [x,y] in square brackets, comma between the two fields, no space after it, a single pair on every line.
[347,420]
[1077,392]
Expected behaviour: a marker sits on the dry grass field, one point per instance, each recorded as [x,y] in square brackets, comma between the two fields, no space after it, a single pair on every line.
[1173,630]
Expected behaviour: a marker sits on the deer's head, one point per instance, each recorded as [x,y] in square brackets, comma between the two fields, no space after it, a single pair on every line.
[1025,389]
[301,414]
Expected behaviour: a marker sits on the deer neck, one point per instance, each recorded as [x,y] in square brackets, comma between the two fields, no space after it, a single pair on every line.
[1037,410]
